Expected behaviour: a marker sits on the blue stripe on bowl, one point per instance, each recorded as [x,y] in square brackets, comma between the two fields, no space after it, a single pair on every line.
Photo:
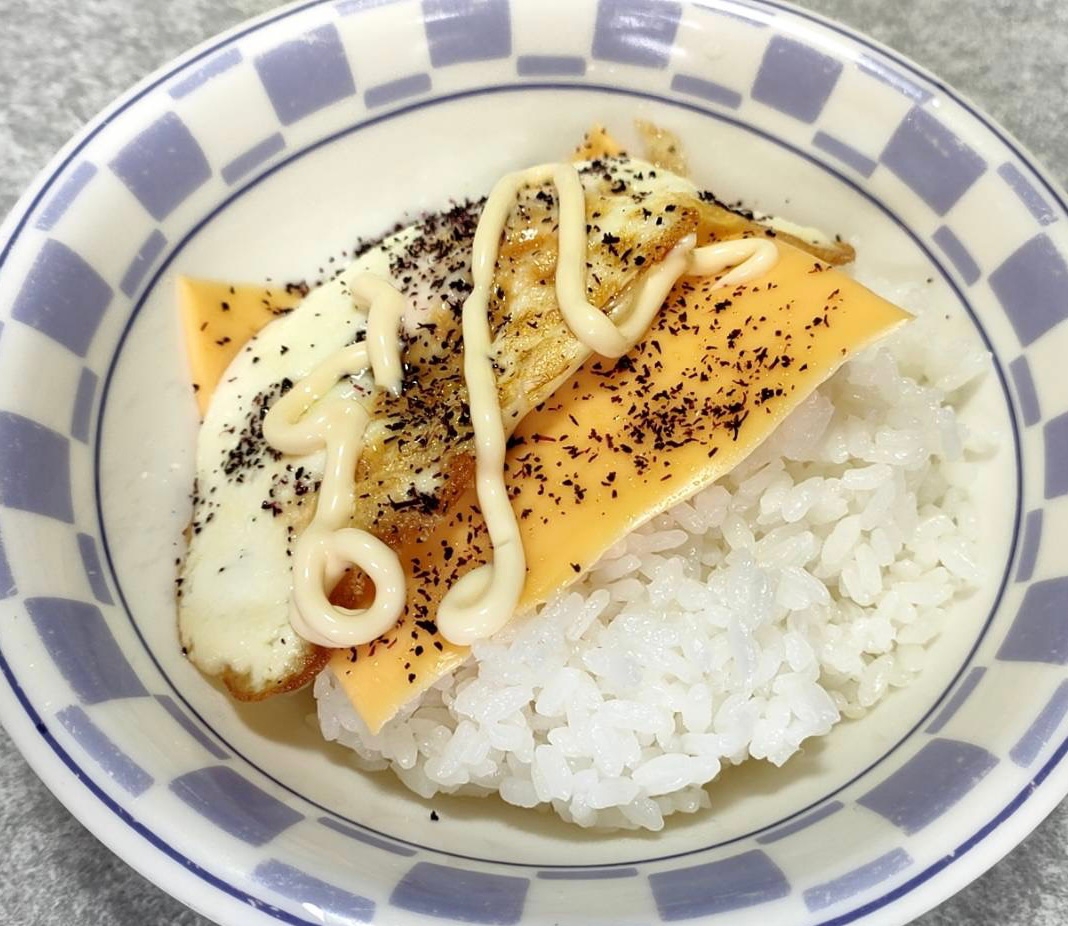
[1032,286]
[638,32]
[366,838]
[328,900]
[459,30]
[893,78]
[83,405]
[1039,632]
[958,254]
[235,804]
[252,158]
[1027,194]
[1025,390]
[118,766]
[706,90]
[7,580]
[34,468]
[306,74]
[1032,539]
[795,79]
[718,887]
[930,783]
[1038,734]
[935,164]
[957,700]
[1055,435]
[466,896]
[847,154]
[162,166]
[191,728]
[219,64]
[143,260]
[66,194]
[859,879]
[550,66]
[394,90]
[93,572]
[77,638]
[801,823]
[63,297]
[587,874]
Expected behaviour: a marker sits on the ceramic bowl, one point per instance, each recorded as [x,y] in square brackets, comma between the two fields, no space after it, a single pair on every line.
[263,152]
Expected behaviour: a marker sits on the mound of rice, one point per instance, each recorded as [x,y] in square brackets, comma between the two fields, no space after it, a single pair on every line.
[797,591]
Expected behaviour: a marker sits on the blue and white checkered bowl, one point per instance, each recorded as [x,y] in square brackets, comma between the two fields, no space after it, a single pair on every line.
[262,152]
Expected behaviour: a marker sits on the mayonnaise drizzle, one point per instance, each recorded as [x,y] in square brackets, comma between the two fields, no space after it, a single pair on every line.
[485,599]
[383,321]
[303,422]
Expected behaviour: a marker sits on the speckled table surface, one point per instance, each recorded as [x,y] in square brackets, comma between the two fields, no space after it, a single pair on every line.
[62,62]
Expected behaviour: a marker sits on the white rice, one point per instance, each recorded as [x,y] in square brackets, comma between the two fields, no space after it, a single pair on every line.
[799,590]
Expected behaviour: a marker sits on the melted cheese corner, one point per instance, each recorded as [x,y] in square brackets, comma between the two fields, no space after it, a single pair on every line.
[218,320]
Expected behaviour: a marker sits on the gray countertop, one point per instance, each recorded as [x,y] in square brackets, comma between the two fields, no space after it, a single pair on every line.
[61,62]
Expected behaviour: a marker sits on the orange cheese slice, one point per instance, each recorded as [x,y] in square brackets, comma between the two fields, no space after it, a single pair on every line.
[620,442]
[219,318]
